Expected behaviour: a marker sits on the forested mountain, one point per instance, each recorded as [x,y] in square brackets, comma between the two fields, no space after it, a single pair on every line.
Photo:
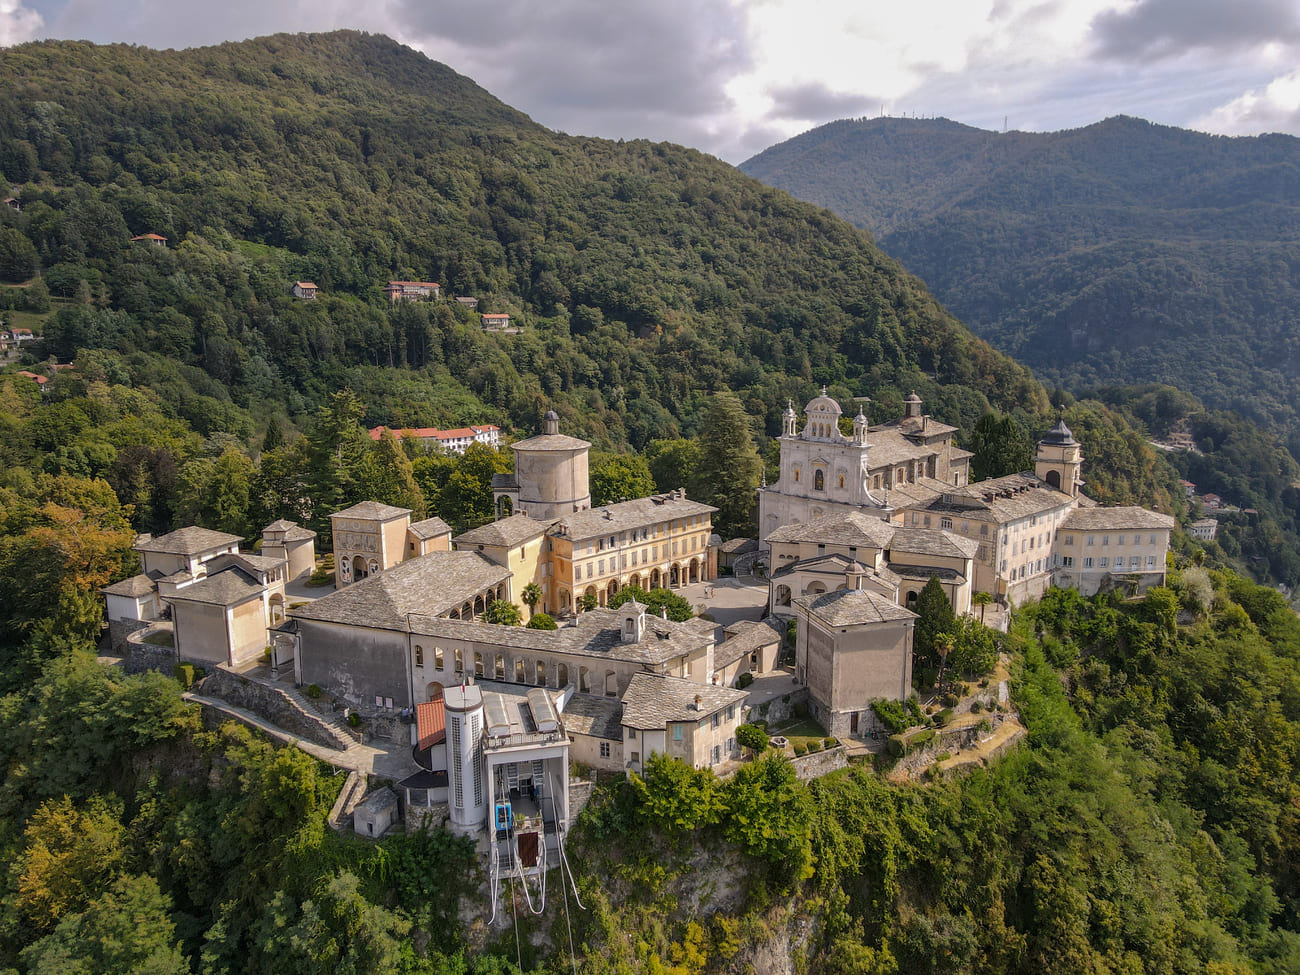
[644,275]
[1123,252]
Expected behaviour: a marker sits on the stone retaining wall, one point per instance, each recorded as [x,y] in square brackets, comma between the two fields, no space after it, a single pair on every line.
[120,630]
[274,705]
[778,709]
[816,764]
[580,792]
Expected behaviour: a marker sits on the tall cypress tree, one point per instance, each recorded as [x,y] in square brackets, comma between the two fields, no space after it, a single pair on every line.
[937,618]
[729,467]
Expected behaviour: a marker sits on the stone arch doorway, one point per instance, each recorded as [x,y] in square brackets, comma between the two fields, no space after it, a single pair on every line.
[674,576]
[276,606]
[433,691]
[655,579]
[359,568]
[783,595]
[1054,479]
[693,571]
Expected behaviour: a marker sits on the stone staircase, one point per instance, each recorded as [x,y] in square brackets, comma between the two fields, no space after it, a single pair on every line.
[282,706]
[350,796]
[322,713]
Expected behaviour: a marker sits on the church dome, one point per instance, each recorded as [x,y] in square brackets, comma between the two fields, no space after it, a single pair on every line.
[551,415]
[912,398]
[1059,435]
[823,404]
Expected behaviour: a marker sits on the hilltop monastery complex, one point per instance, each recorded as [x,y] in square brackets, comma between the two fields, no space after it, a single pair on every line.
[854,527]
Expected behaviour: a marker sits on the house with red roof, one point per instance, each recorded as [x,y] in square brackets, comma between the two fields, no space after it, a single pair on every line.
[454,441]
[412,290]
[304,289]
[493,321]
[153,240]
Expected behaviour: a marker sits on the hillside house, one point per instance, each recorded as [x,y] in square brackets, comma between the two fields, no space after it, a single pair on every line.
[305,290]
[13,204]
[453,441]
[495,321]
[411,290]
[150,240]
[1204,529]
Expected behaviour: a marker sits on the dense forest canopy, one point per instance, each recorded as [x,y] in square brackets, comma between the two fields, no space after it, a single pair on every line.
[643,275]
[1122,252]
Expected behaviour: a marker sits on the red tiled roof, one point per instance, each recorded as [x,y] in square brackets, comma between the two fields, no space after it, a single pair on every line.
[149,237]
[431,433]
[413,284]
[305,284]
[490,314]
[430,723]
[40,380]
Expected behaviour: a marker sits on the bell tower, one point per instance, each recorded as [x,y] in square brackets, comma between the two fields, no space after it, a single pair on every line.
[1060,460]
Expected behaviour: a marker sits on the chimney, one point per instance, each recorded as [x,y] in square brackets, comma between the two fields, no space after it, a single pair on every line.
[698,701]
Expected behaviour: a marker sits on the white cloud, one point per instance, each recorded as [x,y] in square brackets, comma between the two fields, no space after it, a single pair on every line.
[17,23]
[734,76]
[1272,108]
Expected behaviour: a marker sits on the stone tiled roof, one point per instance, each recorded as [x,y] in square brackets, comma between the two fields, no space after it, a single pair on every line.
[134,587]
[1116,519]
[886,446]
[507,533]
[920,491]
[626,515]
[742,640]
[293,532]
[854,528]
[1000,499]
[929,541]
[552,441]
[257,563]
[838,566]
[185,541]
[429,528]
[429,585]
[372,511]
[850,607]
[651,701]
[598,717]
[379,801]
[739,546]
[924,572]
[833,563]
[229,587]
[596,633]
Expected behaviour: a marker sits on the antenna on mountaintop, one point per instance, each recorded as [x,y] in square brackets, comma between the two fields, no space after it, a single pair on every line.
[1004,124]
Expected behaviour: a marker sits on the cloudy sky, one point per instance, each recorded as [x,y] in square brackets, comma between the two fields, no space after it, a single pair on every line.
[731,77]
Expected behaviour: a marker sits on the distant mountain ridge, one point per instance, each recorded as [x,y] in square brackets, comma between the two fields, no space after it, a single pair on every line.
[1122,252]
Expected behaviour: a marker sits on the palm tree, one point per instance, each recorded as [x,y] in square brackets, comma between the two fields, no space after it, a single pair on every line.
[943,645]
[532,595]
[982,599]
